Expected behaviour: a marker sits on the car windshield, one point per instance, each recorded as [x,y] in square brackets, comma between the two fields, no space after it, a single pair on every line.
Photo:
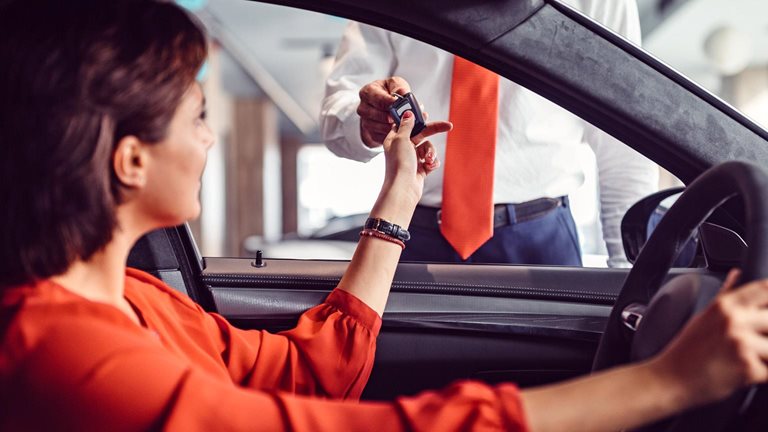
[296,169]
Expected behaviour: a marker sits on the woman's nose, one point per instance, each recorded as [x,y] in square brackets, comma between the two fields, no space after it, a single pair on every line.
[209,138]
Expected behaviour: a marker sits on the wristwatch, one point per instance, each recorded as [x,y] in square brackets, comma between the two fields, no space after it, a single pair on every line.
[387,228]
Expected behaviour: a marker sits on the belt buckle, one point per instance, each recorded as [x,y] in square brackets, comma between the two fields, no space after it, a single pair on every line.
[439,216]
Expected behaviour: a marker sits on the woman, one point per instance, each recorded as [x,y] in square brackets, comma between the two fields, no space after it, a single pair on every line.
[102,139]
[105,139]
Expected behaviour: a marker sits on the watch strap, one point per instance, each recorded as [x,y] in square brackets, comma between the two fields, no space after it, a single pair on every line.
[387,228]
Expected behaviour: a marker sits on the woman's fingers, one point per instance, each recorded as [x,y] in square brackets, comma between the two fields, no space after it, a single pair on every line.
[744,311]
[402,132]
[406,125]
[431,129]
[759,321]
[427,155]
[730,280]
[753,294]
[753,353]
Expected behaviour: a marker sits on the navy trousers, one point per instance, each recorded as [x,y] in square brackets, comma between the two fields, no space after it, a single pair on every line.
[551,239]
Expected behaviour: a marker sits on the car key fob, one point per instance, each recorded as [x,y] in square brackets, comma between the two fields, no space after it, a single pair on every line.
[407,102]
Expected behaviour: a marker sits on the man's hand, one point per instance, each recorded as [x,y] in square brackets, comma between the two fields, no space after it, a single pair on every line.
[375,100]
[375,121]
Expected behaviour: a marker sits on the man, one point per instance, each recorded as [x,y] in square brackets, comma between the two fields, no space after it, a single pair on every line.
[509,161]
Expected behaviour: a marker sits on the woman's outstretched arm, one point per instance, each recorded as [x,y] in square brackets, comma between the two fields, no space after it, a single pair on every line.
[369,275]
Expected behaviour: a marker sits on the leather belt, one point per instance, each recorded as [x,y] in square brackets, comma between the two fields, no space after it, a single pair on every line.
[503,214]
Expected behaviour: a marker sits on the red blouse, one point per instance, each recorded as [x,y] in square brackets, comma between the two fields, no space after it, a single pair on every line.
[67,363]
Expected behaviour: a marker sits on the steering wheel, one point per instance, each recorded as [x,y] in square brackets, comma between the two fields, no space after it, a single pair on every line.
[647,315]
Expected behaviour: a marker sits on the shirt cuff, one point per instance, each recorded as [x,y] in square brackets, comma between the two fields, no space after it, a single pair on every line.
[512,407]
[355,308]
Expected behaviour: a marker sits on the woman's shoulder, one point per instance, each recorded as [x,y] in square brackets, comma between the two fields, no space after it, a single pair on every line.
[141,287]
[46,315]
[45,301]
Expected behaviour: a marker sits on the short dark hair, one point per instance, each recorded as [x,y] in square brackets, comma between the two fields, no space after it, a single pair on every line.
[76,77]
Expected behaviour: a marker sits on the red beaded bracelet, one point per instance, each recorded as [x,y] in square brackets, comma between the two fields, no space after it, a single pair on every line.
[378,234]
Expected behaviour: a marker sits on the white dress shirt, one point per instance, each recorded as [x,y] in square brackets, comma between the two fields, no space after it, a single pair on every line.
[536,139]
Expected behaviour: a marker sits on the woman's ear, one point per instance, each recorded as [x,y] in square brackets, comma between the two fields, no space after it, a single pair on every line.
[130,162]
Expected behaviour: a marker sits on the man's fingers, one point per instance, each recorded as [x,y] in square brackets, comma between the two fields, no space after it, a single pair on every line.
[377,130]
[431,129]
[398,85]
[374,126]
[367,111]
[380,137]
[377,95]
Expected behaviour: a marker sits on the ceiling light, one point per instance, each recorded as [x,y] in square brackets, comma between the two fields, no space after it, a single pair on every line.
[729,50]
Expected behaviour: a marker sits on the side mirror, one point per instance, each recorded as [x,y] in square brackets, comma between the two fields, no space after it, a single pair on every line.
[637,220]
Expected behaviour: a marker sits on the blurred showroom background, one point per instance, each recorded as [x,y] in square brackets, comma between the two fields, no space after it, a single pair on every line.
[271,184]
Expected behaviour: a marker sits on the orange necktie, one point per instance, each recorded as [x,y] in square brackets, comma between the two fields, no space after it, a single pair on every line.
[467,213]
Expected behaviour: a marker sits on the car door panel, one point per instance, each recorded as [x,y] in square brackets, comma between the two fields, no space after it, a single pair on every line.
[442,322]
[527,324]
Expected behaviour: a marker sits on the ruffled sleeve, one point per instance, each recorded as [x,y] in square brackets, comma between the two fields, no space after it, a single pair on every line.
[329,353]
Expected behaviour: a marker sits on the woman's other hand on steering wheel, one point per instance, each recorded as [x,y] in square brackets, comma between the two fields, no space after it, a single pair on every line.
[722,349]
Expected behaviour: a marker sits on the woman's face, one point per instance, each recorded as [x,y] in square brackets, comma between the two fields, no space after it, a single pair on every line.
[176,164]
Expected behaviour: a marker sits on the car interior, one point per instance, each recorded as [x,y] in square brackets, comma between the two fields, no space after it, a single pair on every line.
[533,324]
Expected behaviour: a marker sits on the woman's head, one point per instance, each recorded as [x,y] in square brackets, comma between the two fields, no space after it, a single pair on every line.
[87,90]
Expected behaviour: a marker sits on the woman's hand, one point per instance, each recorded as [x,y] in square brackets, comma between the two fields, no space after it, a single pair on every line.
[722,349]
[409,160]
[369,275]
[719,351]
